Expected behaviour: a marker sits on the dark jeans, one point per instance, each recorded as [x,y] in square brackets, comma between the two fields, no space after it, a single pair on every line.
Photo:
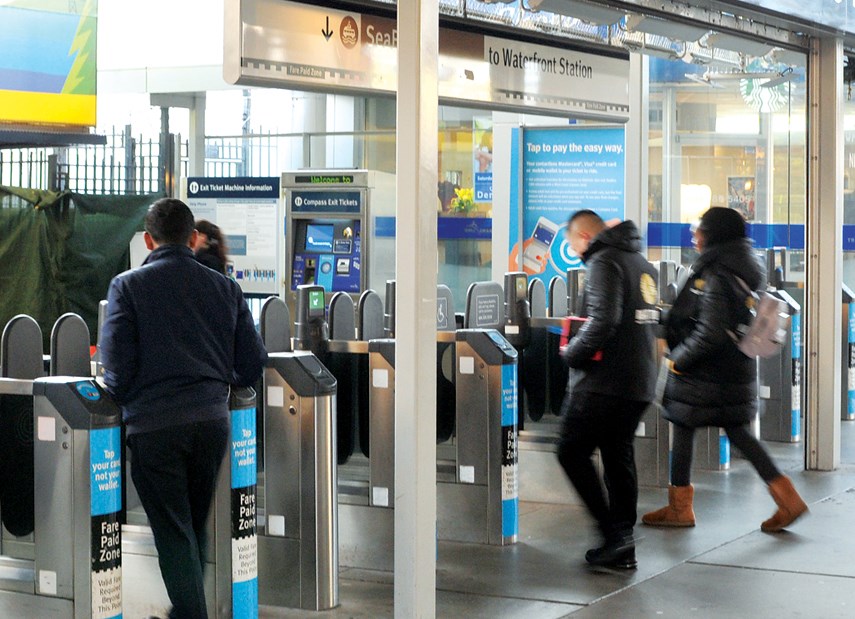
[742,439]
[592,421]
[175,472]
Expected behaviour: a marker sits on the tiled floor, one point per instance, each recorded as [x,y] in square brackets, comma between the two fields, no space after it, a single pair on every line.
[724,567]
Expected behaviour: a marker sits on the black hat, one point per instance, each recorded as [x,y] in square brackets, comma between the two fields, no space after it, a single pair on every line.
[720,225]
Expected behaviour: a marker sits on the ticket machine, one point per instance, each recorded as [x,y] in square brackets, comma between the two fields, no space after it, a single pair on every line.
[330,230]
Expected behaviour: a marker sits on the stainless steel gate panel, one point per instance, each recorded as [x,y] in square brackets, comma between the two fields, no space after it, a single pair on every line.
[462,514]
[381,424]
[366,537]
[300,483]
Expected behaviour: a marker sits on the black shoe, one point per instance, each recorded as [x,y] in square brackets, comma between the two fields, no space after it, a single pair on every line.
[617,552]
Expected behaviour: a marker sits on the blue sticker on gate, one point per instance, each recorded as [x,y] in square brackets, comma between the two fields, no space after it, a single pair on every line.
[850,407]
[796,379]
[105,503]
[105,471]
[723,452]
[88,390]
[510,452]
[244,470]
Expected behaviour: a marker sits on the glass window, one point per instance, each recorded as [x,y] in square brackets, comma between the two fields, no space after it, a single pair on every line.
[731,136]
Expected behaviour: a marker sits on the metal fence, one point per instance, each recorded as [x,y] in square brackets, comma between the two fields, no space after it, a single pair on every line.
[124,165]
[129,164]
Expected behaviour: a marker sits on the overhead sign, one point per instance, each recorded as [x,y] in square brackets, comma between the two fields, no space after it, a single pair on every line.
[293,45]
[48,69]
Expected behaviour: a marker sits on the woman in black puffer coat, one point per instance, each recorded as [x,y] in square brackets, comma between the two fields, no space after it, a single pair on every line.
[711,382]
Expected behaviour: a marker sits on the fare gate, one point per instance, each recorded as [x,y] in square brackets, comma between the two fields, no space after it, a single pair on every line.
[61,543]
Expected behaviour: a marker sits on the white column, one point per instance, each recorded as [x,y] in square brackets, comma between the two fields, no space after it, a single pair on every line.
[637,142]
[415,330]
[823,318]
[197,135]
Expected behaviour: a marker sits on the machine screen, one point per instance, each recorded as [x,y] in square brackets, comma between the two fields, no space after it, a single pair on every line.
[327,253]
[316,301]
[544,235]
[319,238]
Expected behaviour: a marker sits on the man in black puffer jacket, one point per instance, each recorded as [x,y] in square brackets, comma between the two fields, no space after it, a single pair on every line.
[612,379]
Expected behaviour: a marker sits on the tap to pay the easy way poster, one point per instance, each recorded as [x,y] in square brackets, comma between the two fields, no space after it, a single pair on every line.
[564,170]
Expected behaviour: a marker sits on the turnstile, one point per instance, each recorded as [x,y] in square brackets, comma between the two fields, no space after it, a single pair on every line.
[481,505]
[470,493]
[780,379]
[298,534]
[61,544]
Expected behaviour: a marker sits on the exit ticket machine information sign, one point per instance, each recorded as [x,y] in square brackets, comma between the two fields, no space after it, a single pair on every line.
[329,229]
[248,212]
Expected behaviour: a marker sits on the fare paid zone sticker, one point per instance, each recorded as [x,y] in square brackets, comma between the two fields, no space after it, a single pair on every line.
[105,470]
[510,456]
[244,473]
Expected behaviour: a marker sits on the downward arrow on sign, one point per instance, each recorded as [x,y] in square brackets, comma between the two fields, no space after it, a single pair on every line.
[326,31]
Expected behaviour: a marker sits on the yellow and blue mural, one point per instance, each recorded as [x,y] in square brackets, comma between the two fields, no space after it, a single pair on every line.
[48,69]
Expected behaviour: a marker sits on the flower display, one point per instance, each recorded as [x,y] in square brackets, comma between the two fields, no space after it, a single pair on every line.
[463,201]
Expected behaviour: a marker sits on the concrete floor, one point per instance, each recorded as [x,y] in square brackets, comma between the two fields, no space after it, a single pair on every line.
[724,567]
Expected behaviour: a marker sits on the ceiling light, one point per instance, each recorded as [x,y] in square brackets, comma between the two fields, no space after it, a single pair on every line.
[705,80]
[784,76]
[738,44]
[789,57]
[585,11]
[665,28]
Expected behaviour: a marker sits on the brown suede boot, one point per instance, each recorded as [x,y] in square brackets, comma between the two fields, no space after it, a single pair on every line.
[678,512]
[790,505]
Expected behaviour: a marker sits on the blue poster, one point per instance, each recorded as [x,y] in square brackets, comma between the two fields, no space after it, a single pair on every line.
[510,459]
[565,169]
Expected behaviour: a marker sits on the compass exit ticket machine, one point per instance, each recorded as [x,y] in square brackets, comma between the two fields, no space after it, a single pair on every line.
[330,230]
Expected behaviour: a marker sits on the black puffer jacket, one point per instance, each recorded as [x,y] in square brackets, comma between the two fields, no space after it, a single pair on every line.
[618,301]
[714,384]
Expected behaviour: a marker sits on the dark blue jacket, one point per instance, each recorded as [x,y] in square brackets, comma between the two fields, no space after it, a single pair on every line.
[176,335]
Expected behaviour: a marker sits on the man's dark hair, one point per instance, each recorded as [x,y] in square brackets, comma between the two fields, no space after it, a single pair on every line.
[586,215]
[169,222]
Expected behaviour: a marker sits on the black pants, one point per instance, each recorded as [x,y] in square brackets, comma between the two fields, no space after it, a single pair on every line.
[175,472]
[593,420]
[742,439]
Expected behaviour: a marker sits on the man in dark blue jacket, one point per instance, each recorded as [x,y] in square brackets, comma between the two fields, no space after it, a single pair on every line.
[176,335]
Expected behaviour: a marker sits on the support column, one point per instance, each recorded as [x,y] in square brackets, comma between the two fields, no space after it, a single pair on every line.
[197,136]
[415,329]
[823,319]
[637,146]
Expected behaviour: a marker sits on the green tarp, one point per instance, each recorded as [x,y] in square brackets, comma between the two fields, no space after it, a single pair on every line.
[59,251]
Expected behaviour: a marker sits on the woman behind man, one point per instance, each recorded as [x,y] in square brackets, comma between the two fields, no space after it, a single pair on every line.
[711,383]
[210,247]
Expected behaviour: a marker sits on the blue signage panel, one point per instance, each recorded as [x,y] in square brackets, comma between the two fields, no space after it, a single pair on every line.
[510,459]
[850,376]
[764,235]
[447,228]
[105,503]
[483,187]
[244,473]
[796,353]
[564,169]
[235,187]
[310,201]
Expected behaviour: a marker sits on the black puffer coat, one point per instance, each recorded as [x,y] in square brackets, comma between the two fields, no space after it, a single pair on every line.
[618,301]
[713,383]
